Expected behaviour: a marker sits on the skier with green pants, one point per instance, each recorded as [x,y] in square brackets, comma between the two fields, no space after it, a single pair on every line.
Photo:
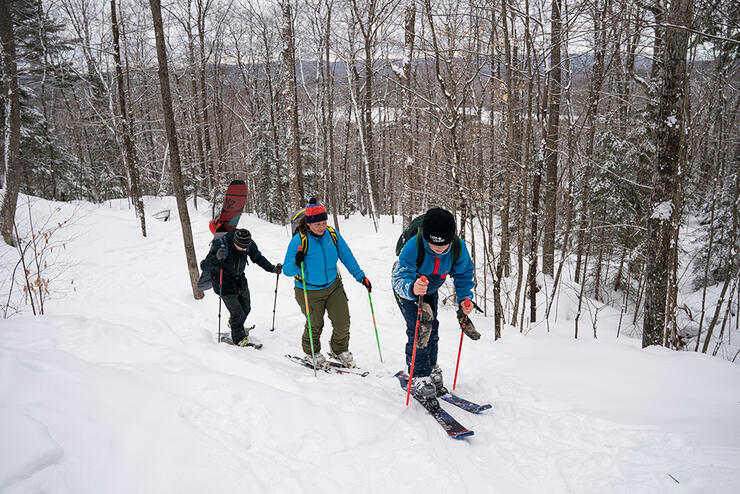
[319,247]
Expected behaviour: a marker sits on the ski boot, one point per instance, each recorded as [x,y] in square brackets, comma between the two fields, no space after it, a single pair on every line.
[439,386]
[346,358]
[321,362]
[424,390]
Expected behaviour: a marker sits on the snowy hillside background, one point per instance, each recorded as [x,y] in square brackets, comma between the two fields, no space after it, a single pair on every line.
[120,386]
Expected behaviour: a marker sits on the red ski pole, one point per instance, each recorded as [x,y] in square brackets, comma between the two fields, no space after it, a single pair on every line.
[416,335]
[467,303]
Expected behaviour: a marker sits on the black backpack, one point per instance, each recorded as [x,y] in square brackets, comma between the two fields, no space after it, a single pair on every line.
[415,229]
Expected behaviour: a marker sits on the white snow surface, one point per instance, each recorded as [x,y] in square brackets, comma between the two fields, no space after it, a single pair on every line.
[121,388]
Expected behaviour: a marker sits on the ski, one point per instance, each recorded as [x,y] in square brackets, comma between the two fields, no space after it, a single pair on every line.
[351,370]
[453,428]
[466,405]
[331,369]
[348,370]
[227,339]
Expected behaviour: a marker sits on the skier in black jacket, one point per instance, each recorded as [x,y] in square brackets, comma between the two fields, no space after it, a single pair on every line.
[230,253]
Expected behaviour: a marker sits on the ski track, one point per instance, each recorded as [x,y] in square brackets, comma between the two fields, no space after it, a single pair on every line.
[123,389]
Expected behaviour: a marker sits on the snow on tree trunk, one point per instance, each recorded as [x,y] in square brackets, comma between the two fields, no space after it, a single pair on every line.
[669,140]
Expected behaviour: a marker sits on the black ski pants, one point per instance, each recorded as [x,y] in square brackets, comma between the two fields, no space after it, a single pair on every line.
[239,305]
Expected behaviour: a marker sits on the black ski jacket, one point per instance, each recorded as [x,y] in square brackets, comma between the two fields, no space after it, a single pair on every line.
[233,264]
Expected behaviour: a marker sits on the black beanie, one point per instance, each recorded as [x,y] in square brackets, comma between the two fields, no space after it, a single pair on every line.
[242,238]
[438,226]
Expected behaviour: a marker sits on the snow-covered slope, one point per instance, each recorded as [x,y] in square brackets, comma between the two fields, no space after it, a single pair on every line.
[121,388]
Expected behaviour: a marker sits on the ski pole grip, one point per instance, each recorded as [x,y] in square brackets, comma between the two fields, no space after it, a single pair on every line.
[423,278]
[467,302]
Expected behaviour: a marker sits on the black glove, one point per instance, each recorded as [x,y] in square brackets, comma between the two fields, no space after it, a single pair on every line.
[221,253]
[300,256]
[278,268]
[367,284]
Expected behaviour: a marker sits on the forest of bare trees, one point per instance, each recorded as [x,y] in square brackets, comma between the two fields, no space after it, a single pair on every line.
[579,138]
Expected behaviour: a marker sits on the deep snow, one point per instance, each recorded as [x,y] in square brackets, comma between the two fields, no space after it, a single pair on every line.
[121,388]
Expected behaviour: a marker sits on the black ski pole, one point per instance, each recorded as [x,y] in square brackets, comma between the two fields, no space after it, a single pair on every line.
[220,289]
[274,304]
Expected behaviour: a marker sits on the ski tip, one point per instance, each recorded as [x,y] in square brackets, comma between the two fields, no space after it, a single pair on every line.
[461,434]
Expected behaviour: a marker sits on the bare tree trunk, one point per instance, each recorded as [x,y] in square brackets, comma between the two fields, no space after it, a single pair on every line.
[209,162]
[707,264]
[533,246]
[353,78]
[171,130]
[131,159]
[293,137]
[196,115]
[367,22]
[273,104]
[551,145]
[669,132]
[12,164]
[731,268]
[329,91]
[407,112]
[504,259]
[594,94]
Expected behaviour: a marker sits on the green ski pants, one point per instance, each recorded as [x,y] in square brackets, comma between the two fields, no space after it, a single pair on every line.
[332,300]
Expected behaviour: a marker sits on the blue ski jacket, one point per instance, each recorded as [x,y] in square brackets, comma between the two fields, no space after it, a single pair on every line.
[320,265]
[435,267]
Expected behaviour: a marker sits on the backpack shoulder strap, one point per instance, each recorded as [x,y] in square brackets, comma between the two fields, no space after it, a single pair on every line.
[304,248]
[420,252]
[333,234]
[456,249]
[304,242]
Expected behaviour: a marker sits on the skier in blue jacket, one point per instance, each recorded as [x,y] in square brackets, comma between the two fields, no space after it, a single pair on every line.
[441,258]
[321,248]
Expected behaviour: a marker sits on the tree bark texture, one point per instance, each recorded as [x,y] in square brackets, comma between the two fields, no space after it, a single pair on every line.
[551,145]
[171,131]
[128,144]
[669,140]
[293,137]
[12,164]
